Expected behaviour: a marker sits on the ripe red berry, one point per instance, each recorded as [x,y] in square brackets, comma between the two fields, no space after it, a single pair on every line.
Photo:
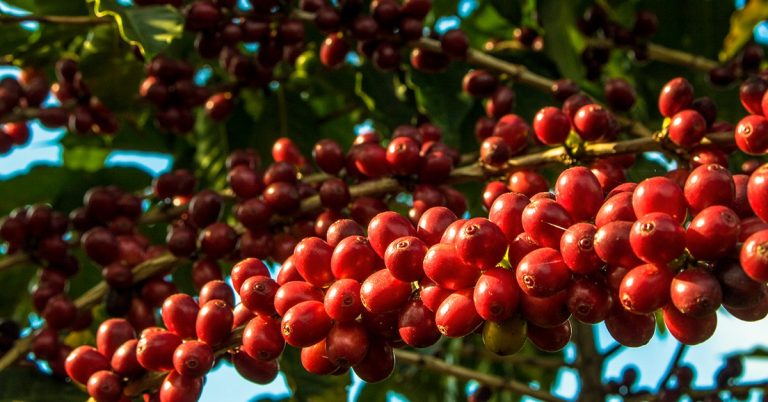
[479,83]
[545,221]
[593,122]
[579,192]
[193,359]
[455,43]
[342,229]
[751,135]
[60,312]
[294,292]
[179,314]
[645,288]
[403,156]
[257,371]
[708,185]
[739,290]
[381,292]
[179,388]
[457,316]
[481,244]
[416,325]
[757,192]
[333,51]
[754,256]
[696,292]
[578,249]
[619,94]
[496,294]
[105,386]
[687,329]
[315,359]
[495,151]
[155,350]
[551,126]
[329,156]
[588,301]
[217,289]
[657,238]
[444,267]
[616,208]
[751,94]
[687,128]
[527,182]
[262,338]
[244,182]
[258,294]
[713,233]
[506,213]
[342,300]
[82,362]
[543,273]
[378,364]
[385,228]
[550,339]
[404,258]
[305,324]
[676,95]
[214,322]
[354,258]
[659,194]
[312,257]
[630,329]
[124,360]
[111,334]
[218,240]
[346,343]
[433,223]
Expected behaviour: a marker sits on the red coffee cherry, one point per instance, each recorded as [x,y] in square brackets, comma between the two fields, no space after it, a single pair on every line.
[381,292]
[60,312]
[687,128]
[645,288]
[543,273]
[619,94]
[630,329]
[588,301]
[155,350]
[739,290]
[708,185]
[217,289]
[416,325]
[105,386]
[257,371]
[404,258]
[506,213]
[551,126]
[354,258]
[495,151]
[245,269]
[455,43]
[379,363]
[346,343]
[258,295]
[514,130]
[315,359]
[687,329]
[433,223]
[193,359]
[696,292]
[659,194]
[329,156]
[342,229]
[385,228]
[496,294]
[754,256]
[82,362]
[616,208]
[443,266]
[179,314]
[527,182]
[342,300]
[545,221]
[218,240]
[547,312]
[578,249]
[713,233]
[676,95]
[457,317]
[294,292]
[579,192]
[305,324]
[245,182]
[751,135]
[479,83]
[178,388]
[481,244]
[492,191]
[593,122]
[125,362]
[111,334]
[214,322]
[757,192]
[751,94]
[312,257]
[403,156]
[550,339]
[657,238]
[262,338]
[333,51]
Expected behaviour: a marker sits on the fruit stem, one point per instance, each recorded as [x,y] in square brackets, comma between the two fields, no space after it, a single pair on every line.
[664,55]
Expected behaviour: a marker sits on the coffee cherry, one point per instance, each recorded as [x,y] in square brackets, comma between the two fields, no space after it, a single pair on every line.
[385,227]
[105,386]
[496,294]
[687,128]
[689,330]
[645,288]
[312,257]
[218,240]
[709,185]
[214,322]
[577,249]
[334,194]
[342,300]
[479,83]
[579,192]
[500,102]
[527,182]
[495,151]
[155,350]
[754,256]
[416,325]
[352,258]
[713,233]
[757,192]
[404,258]
[179,388]
[564,88]
[193,359]
[111,334]
[378,364]
[60,312]
[333,51]
[216,289]
[616,208]
[657,238]
[543,273]
[480,243]
[403,156]
[696,292]
[455,44]
[676,95]
[550,339]
[342,229]
[659,194]
[100,245]
[505,338]
[258,294]
[619,95]
[630,329]
[589,302]
[381,292]
[592,122]
[305,324]
[346,343]
[457,317]
[83,362]
[551,126]
[282,197]
[433,223]
[124,360]
[751,94]
[443,266]
[315,359]
[546,221]
[262,338]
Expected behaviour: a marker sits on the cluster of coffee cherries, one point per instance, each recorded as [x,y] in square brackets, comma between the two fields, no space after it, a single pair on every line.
[752,131]
[87,115]
[29,91]
[170,88]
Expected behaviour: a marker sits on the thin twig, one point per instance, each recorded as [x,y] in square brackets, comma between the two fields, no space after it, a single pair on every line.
[664,55]
[55,19]
[673,365]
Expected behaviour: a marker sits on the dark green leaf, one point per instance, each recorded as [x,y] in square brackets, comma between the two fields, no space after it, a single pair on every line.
[26,384]
[310,387]
[152,28]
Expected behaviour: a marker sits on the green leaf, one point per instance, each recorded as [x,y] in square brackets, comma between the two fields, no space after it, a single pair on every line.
[564,42]
[13,37]
[151,28]
[27,384]
[310,387]
[211,151]
[379,92]
[15,290]
[85,158]
[742,23]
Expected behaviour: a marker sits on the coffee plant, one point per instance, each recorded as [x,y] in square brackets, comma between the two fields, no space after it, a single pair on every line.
[427,194]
